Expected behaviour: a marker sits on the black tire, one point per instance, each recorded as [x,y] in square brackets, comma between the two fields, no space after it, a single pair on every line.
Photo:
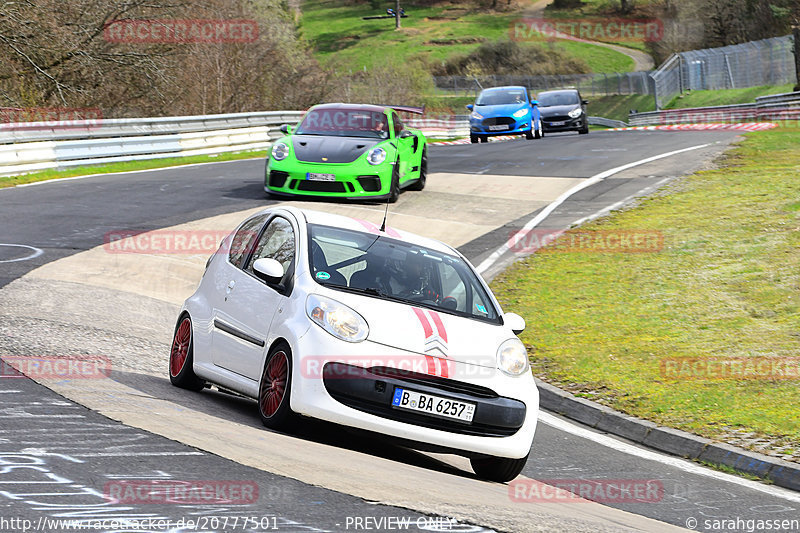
[539,131]
[585,128]
[484,139]
[394,187]
[275,388]
[529,134]
[498,469]
[473,138]
[181,357]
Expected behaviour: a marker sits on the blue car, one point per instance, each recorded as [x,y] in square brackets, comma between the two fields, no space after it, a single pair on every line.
[504,111]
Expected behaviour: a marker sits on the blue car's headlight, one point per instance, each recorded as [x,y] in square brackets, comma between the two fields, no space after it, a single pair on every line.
[575,113]
[476,115]
[520,113]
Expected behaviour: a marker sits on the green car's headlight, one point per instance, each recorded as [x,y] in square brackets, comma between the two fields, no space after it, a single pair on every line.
[280,151]
[512,357]
[575,113]
[520,113]
[336,318]
[376,156]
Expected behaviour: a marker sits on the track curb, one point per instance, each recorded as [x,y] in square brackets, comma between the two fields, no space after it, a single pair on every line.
[672,441]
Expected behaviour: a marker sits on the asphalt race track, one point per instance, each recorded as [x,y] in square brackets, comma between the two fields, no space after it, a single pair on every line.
[62,292]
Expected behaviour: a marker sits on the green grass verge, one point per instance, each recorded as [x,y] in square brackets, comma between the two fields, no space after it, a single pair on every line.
[46,175]
[725,285]
[617,107]
[431,34]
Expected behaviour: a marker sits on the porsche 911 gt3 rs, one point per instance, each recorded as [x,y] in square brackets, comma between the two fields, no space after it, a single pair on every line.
[369,327]
[348,151]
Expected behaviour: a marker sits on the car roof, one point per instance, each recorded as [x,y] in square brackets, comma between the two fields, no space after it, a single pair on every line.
[362,107]
[559,91]
[505,88]
[340,221]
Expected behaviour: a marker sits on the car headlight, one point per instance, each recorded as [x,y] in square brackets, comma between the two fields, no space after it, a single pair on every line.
[336,318]
[376,156]
[520,113]
[575,113]
[512,357]
[476,115]
[280,151]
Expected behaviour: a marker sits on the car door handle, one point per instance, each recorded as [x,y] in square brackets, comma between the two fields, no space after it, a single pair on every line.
[231,286]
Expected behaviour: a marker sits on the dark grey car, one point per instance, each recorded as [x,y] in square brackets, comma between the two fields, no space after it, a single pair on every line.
[563,110]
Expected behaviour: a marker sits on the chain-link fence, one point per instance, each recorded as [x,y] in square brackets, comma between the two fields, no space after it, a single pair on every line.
[587,84]
[765,62]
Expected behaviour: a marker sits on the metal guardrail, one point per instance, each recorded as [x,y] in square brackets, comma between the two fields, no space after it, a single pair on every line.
[32,146]
[774,107]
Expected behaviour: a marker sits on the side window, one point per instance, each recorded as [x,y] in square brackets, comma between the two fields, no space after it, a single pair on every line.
[244,240]
[398,124]
[277,242]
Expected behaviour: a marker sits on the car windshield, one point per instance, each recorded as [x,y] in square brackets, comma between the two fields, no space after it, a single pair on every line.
[510,96]
[383,267]
[344,122]
[561,98]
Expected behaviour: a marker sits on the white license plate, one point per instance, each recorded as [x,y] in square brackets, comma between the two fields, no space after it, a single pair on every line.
[433,405]
[559,123]
[313,176]
[498,127]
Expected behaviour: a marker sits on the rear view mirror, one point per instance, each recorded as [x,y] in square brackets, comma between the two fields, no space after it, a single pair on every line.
[515,322]
[287,129]
[268,270]
[470,106]
[585,102]
[405,134]
[534,102]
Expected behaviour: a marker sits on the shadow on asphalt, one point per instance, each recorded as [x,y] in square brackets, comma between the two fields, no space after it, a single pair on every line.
[235,408]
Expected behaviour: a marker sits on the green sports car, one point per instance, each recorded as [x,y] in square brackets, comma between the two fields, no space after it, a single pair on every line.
[348,151]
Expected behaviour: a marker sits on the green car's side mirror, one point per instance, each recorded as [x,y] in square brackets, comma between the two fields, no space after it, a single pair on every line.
[287,129]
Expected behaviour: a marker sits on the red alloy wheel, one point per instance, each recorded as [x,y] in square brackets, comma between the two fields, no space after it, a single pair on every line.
[180,347]
[273,384]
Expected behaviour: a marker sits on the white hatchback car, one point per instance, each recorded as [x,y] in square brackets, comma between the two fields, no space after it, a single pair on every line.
[374,328]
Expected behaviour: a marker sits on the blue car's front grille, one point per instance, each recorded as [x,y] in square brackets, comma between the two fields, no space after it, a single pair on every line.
[497,121]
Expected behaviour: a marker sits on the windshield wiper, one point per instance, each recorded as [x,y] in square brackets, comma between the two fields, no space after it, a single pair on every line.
[360,290]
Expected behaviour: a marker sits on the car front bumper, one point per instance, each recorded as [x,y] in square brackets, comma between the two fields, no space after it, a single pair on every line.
[519,127]
[506,407]
[352,180]
[560,123]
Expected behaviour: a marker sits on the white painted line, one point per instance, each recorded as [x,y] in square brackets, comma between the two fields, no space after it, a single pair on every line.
[492,259]
[60,180]
[35,252]
[615,205]
[682,464]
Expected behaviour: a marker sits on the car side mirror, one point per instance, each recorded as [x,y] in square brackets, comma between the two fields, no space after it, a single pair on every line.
[534,102]
[585,102]
[268,269]
[286,129]
[515,322]
[470,107]
[405,134]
